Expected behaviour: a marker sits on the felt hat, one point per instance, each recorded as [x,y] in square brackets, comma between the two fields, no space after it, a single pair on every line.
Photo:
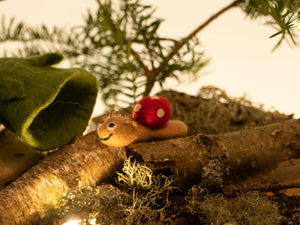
[45,106]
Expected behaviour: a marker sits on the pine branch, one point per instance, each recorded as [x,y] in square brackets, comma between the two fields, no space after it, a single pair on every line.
[150,52]
[181,43]
[122,47]
[135,55]
[281,15]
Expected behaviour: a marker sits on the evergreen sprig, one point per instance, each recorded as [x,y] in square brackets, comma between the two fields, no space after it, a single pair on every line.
[121,44]
[282,15]
[135,52]
[40,40]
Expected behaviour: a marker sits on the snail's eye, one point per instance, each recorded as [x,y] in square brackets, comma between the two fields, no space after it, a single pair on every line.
[111,126]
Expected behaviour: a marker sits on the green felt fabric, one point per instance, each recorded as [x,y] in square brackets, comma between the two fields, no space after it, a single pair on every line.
[45,106]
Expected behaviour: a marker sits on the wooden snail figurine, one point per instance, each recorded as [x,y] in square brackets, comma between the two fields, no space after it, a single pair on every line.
[150,121]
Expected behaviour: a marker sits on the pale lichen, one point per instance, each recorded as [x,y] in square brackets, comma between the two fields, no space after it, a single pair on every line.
[142,200]
[247,209]
[104,204]
[138,176]
[212,111]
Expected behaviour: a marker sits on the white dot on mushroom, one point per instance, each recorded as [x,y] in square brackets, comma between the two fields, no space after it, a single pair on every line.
[160,113]
[137,107]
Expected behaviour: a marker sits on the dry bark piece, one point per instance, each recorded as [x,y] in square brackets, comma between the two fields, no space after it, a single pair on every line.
[85,162]
[15,157]
[245,155]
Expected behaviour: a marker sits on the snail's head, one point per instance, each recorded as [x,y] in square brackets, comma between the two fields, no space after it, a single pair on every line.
[117,131]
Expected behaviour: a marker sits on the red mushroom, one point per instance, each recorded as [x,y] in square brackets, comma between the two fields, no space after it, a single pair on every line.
[153,112]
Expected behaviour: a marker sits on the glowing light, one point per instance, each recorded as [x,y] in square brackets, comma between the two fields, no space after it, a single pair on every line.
[72,222]
[92,221]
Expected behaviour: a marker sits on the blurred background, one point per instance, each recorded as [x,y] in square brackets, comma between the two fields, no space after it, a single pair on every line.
[242,61]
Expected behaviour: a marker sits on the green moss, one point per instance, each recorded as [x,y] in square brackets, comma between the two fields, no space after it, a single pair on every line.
[212,111]
[252,208]
[246,209]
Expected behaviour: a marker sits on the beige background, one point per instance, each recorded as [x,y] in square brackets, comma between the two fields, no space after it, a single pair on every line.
[242,62]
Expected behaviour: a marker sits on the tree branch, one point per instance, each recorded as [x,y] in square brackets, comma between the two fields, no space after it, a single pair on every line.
[133,52]
[243,154]
[144,40]
[83,163]
[251,153]
[151,74]
[180,44]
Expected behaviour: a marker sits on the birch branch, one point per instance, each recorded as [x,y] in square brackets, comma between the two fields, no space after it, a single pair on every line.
[250,158]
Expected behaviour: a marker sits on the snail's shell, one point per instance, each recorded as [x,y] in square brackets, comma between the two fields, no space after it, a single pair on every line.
[153,112]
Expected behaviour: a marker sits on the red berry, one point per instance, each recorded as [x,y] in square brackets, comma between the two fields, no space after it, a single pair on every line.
[154,111]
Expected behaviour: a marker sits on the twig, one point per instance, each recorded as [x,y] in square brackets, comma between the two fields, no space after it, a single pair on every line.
[168,39]
[133,52]
[153,73]
[267,188]
[144,37]
[99,3]
[180,44]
